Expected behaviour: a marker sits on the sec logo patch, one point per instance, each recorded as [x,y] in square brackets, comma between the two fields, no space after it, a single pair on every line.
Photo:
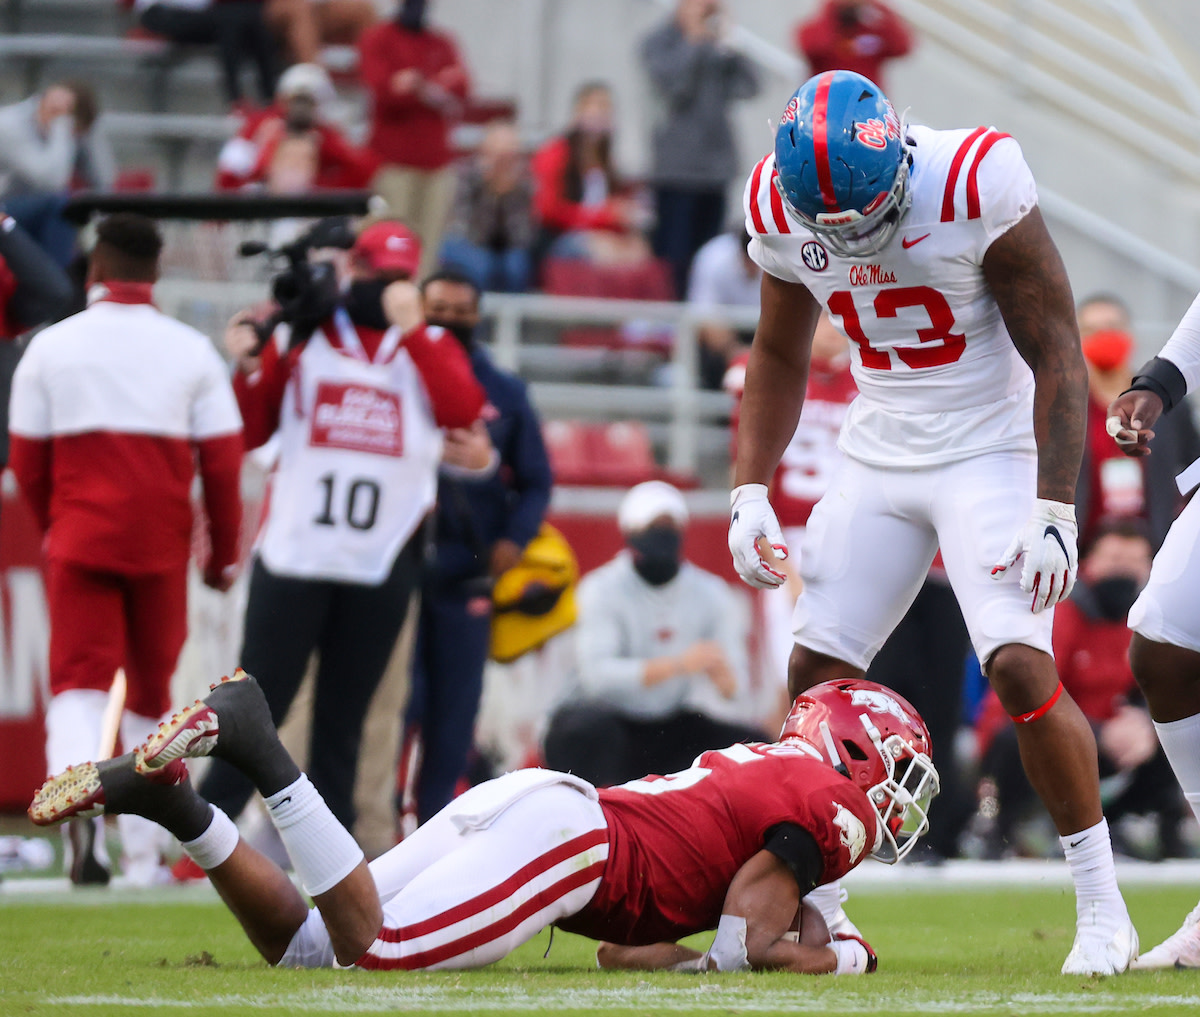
[814,256]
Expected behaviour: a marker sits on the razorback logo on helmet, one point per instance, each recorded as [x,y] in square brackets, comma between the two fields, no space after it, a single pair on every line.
[880,702]
[853,834]
[789,113]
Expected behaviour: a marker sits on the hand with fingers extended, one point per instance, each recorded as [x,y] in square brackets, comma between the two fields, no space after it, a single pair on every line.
[1048,542]
[752,519]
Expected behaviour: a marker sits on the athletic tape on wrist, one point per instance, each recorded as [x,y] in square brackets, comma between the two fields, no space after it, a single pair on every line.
[1041,711]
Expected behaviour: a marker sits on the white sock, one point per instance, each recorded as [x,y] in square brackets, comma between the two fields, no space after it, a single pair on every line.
[141,839]
[73,722]
[1181,742]
[215,844]
[1090,859]
[135,729]
[322,851]
[827,899]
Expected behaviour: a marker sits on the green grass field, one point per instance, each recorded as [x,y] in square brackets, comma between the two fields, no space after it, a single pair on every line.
[941,952]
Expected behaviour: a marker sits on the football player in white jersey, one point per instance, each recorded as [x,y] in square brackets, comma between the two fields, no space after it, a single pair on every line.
[929,252]
[1165,649]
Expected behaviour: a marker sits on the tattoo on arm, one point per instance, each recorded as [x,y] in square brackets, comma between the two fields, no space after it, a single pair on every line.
[1029,282]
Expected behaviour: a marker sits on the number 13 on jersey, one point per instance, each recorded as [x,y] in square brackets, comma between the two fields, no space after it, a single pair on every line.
[945,347]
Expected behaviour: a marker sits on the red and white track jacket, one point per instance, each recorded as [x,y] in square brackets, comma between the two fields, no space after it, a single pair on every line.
[112,410]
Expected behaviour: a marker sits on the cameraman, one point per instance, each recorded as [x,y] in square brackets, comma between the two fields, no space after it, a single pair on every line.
[358,406]
[857,35]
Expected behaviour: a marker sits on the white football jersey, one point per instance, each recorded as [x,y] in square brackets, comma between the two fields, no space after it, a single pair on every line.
[938,375]
[358,459]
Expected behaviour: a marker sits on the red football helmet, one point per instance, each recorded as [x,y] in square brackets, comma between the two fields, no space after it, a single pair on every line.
[878,740]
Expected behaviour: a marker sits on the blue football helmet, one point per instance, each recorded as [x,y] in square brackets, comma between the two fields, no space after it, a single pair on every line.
[842,163]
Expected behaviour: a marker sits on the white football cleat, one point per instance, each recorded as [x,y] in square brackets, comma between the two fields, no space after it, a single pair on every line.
[1180,950]
[1100,951]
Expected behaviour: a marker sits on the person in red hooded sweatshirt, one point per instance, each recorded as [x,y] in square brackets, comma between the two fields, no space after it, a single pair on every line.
[112,410]
[418,85]
[359,407]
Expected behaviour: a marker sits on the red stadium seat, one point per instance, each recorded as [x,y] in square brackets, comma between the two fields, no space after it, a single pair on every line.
[574,277]
[566,445]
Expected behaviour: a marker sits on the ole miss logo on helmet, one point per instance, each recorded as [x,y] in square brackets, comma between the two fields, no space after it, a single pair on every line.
[876,133]
[789,113]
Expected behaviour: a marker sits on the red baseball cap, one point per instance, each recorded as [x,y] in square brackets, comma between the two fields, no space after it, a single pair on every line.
[389,246]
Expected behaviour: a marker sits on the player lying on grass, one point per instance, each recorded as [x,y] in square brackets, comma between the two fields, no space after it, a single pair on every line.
[733,843]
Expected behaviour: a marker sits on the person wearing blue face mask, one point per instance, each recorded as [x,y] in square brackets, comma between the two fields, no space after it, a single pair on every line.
[661,654]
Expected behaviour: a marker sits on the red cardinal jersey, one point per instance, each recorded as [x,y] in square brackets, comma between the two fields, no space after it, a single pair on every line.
[676,842]
[808,461]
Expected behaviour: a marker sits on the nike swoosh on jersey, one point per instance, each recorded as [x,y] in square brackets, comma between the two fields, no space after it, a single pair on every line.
[906,243]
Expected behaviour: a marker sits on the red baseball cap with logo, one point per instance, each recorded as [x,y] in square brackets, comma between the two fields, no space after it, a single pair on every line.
[389,246]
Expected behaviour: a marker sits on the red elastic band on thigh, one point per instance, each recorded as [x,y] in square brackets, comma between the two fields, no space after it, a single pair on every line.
[1041,711]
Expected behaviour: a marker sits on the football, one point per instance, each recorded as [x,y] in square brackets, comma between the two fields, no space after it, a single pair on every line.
[809,927]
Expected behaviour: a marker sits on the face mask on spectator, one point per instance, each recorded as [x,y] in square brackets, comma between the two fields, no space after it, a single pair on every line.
[364,303]
[656,553]
[412,15]
[461,331]
[1115,596]
[301,114]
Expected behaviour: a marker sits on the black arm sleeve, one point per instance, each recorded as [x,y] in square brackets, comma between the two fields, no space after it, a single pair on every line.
[1162,378]
[795,847]
[43,291]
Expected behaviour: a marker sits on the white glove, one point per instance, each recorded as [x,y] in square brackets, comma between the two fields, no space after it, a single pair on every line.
[752,517]
[1048,542]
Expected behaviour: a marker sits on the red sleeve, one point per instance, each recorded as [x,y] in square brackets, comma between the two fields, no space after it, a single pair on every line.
[343,164]
[9,327]
[897,40]
[377,62]
[260,395]
[31,460]
[454,392]
[1066,635]
[220,461]
[460,84]
[549,167]
[815,39]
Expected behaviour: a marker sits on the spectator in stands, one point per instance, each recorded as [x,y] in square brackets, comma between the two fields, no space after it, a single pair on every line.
[1091,644]
[419,85]
[112,409]
[661,654]
[33,290]
[723,275]
[857,35]
[1112,485]
[238,28]
[490,234]
[305,26]
[358,405]
[696,75]
[292,147]
[483,524]
[48,143]
[585,209]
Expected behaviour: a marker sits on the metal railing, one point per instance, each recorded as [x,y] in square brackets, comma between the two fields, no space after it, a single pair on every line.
[682,406]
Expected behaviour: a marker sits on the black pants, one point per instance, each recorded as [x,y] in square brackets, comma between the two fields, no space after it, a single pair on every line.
[238,30]
[1150,789]
[924,660]
[353,628]
[453,639]
[687,220]
[598,743]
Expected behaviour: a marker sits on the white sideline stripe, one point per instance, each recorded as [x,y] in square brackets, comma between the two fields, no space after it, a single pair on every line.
[707,997]
[1015,874]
